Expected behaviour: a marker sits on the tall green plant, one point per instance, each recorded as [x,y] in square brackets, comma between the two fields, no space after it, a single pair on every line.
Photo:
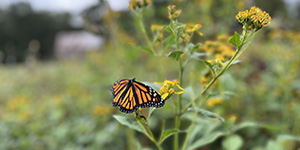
[178,46]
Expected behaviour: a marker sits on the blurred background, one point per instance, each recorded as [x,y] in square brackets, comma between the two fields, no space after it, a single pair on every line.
[59,58]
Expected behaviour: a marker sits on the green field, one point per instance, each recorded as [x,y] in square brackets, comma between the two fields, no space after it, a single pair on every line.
[66,104]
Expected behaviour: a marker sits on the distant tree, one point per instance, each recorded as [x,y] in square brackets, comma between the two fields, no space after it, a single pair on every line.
[20,24]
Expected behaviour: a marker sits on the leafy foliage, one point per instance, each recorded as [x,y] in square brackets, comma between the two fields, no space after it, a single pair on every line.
[66,104]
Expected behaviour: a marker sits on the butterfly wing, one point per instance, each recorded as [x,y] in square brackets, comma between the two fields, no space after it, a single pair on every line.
[118,86]
[146,96]
[129,95]
[124,98]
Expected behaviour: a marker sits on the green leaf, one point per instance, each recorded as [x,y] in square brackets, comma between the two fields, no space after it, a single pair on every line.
[201,131]
[210,66]
[207,113]
[188,93]
[198,55]
[178,26]
[286,137]
[233,63]
[151,110]
[168,28]
[273,145]
[236,40]
[124,120]
[229,93]
[228,82]
[245,125]
[232,142]
[175,55]
[194,133]
[167,133]
[143,48]
[190,47]
[169,42]
[206,140]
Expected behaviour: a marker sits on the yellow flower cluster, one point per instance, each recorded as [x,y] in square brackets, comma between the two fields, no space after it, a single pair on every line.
[167,89]
[288,36]
[213,101]
[220,50]
[204,80]
[158,33]
[17,102]
[233,118]
[173,12]
[254,19]
[134,4]
[102,110]
[189,29]
[18,108]
[156,27]
[57,99]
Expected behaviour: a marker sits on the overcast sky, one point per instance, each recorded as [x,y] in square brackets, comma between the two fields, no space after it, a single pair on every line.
[75,7]
[71,6]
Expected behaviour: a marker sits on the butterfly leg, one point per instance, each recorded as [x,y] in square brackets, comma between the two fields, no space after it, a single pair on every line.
[140,117]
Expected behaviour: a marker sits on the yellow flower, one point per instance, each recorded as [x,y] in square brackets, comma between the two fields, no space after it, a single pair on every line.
[158,33]
[167,89]
[187,38]
[57,99]
[173,12]
[23,115]
[213,101]
[204,80]
[102,110]
[165,92]
[216,62]
[18,108]
[17,102]
[134,4]
[253,19]
[197,27]
[290,36]
[232,118]
[189,29]
[220,57]
[156,27]
[219,51]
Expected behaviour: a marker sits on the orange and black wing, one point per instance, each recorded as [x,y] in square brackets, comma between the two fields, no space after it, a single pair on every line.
[124,97]
[129,95]
[118,86]
[147,96]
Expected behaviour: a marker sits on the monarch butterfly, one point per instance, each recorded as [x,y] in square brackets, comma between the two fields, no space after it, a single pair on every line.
[129,95]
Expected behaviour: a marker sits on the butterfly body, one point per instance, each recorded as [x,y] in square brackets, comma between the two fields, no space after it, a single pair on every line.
[129,95]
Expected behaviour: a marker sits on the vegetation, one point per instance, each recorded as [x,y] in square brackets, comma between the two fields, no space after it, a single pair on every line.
[21,25]
[223,89]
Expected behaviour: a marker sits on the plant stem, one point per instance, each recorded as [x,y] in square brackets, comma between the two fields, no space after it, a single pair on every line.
[177,35]
[142,27]
[233,58]
[189,131]
[178,107]
[149,134]
[180,84]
